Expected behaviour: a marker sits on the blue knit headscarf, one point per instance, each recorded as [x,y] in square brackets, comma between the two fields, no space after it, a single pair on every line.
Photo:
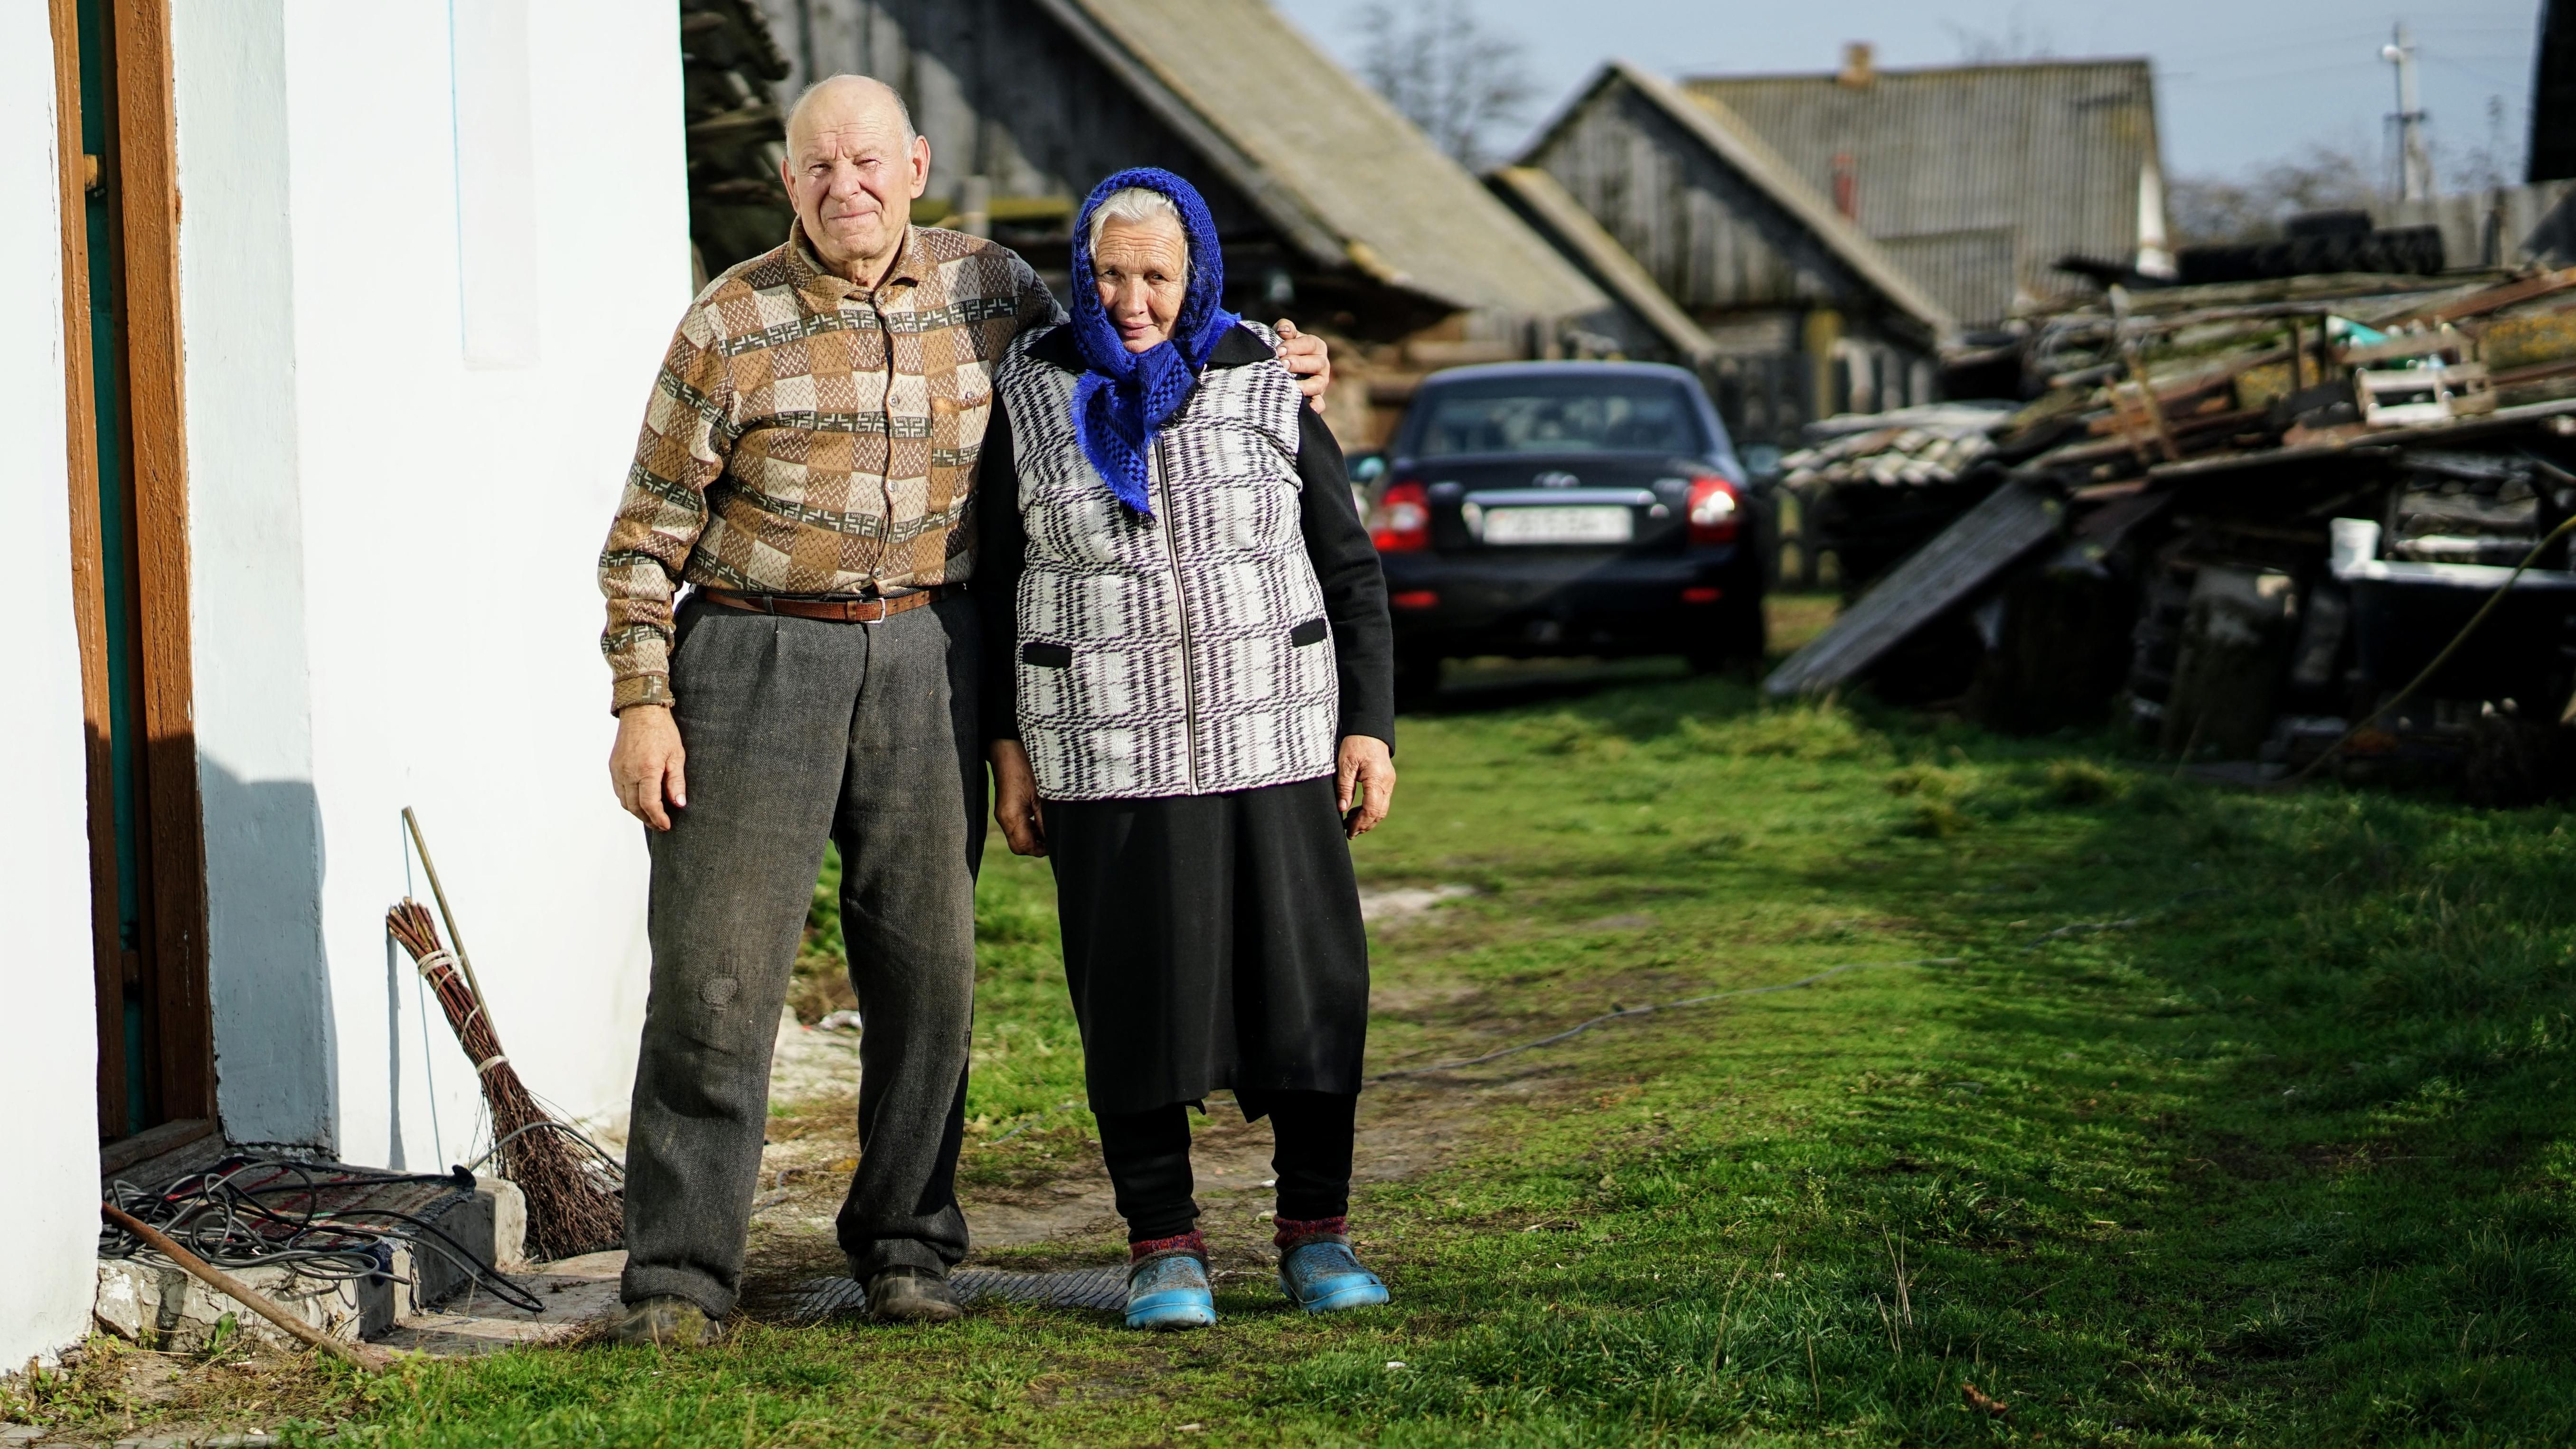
[1125,397]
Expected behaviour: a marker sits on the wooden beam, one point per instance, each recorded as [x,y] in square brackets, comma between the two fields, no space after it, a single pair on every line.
[147,137]
[88,580]
[150,1143]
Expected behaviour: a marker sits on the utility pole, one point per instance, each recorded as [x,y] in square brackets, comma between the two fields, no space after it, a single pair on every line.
[2414,160]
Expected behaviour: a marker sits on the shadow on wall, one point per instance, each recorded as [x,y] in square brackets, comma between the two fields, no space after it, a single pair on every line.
[276,1073]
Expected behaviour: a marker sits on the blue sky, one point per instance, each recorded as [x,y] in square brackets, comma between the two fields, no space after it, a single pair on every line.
[2239,82]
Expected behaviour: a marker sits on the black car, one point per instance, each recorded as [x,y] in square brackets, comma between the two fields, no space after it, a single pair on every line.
[1557,508]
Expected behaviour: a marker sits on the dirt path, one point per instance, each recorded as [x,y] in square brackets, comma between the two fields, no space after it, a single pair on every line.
[1057,1211]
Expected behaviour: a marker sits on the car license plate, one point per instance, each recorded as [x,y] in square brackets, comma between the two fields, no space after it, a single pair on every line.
[1575,524]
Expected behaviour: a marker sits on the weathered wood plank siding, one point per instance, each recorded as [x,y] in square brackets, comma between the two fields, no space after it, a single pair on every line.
[1711,239]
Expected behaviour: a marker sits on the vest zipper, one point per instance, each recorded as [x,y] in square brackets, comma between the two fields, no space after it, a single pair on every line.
[1181,602]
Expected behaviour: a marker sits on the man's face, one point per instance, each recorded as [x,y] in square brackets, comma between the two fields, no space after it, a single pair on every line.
[853,180]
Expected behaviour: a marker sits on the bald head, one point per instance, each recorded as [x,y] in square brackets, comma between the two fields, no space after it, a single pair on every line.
[853,167]
[840,97]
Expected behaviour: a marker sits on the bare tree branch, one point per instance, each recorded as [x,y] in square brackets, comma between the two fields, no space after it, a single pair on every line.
[1458,81]
[2211,209]
[2020,39]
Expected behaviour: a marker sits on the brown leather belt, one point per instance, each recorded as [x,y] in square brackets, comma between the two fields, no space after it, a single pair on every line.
[838,611]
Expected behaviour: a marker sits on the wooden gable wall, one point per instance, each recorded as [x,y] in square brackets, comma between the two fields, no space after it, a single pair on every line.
[1714,241]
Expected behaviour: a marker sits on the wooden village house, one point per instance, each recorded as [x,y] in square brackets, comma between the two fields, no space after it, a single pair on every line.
[1835,237]
[1804,314]
[1977,179]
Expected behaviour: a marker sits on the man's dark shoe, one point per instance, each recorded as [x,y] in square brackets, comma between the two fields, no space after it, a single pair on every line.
[912,1295]
[669,1322]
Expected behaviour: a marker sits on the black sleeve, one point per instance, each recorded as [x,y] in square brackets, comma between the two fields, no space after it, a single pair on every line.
[1001,553]
[1337,543]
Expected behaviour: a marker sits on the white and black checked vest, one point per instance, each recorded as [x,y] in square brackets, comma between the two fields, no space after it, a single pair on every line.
[1184,653]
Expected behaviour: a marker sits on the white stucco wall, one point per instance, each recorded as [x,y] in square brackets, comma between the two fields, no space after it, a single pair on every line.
[394,549]
[246,542]
[49,1134]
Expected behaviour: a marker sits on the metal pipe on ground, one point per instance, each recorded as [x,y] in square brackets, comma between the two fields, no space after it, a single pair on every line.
[356,1355]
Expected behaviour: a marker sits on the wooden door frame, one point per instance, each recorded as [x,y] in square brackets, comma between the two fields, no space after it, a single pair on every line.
[142,169]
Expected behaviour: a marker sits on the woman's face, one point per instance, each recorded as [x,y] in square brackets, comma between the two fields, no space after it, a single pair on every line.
[1142,270]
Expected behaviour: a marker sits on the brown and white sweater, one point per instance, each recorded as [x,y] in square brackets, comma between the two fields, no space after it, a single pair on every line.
[810,437]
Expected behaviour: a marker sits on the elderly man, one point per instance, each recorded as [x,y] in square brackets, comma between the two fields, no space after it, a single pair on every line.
[807,464]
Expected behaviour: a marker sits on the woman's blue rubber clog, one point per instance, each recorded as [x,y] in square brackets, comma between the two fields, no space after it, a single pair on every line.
[1170,1290]
[1324,1276]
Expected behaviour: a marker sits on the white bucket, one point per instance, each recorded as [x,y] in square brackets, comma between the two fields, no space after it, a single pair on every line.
[2350,543]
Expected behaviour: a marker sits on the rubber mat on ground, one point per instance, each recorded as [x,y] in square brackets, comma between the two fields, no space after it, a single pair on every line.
[1100,1288]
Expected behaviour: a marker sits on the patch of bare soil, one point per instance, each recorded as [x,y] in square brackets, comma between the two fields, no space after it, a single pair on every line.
[1048,1205]
[111,1392]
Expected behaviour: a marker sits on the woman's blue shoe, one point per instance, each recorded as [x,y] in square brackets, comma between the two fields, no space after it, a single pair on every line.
[1323,1276]
[1170,1290]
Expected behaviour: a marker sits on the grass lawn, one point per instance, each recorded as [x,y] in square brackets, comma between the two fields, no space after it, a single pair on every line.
[2217,1118]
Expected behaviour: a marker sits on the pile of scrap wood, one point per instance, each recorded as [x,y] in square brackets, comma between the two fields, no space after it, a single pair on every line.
[2243,518]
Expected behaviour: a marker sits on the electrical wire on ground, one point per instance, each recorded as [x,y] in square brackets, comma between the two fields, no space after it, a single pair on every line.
[250,1212]
[1630,1011]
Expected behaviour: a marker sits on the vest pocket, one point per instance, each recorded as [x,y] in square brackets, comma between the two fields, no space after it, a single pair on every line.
[1310,632]
[1046,656]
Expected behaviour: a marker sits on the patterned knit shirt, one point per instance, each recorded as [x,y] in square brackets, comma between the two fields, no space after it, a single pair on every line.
[810,437]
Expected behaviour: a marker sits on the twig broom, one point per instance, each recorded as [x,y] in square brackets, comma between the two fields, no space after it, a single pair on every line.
[568,1211]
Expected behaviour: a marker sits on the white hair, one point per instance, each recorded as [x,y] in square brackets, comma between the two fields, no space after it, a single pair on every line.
[1135,205]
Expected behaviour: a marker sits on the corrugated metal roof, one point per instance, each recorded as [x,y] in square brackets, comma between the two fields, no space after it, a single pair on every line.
[1337,169]
[2048,152]
[2010,522]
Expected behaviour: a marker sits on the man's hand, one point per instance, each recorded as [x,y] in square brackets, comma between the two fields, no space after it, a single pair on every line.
[646,764]
[1307,361]
[1366,773]
[1015,799]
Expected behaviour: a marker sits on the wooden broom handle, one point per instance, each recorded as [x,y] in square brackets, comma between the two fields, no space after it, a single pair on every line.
[357,1355]
[455,940]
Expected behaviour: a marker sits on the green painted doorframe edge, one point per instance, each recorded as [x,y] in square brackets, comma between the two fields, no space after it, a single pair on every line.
[125,733]
[140,481]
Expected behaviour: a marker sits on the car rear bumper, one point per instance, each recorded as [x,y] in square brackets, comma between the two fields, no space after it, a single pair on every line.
[1566,604]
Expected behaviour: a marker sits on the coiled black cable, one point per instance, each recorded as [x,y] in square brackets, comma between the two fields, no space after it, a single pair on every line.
[249,1212]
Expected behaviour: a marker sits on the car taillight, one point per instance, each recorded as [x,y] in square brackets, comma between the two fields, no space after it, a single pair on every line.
[1401,522]
[1714,504]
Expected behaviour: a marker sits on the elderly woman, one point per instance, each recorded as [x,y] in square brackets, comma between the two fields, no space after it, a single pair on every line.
[1189,687]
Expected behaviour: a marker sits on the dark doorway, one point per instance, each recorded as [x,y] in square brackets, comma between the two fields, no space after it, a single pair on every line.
[130,576]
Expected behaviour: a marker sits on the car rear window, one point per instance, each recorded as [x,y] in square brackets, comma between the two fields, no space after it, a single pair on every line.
[1557,415]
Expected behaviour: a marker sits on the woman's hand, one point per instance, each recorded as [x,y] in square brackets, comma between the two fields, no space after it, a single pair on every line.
[1308,361]
[1015,799]
[1366,774]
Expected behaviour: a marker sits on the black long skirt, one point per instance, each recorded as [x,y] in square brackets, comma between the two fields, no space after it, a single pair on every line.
[1211,941]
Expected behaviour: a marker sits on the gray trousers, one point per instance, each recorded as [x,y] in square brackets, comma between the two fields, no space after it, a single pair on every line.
[799,730]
